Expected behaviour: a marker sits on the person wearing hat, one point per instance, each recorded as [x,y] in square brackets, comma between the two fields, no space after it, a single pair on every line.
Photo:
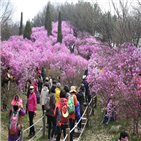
[72,116]
[32,107]
[86,88]
[6,87]
[17,107]
[123,136]
[61,109]
[57,92]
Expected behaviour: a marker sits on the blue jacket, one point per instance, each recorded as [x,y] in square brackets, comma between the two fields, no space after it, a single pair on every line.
[77,110]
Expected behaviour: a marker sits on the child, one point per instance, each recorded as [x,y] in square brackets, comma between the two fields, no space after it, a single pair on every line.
[15,118]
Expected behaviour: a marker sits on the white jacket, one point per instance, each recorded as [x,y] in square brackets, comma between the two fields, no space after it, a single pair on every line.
[44,94]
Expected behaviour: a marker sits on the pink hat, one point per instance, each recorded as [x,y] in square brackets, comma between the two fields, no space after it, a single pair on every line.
[17,101]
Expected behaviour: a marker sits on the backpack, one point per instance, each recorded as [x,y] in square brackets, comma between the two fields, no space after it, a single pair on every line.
[47,103]
[71,105]
[63,108]
[14,123]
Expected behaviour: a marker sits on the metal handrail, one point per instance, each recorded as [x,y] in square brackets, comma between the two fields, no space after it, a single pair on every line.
[80,120]
[33,124]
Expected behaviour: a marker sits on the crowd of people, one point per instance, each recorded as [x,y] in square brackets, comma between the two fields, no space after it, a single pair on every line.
[63,106]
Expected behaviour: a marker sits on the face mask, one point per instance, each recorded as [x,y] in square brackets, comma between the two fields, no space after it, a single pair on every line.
[15,108]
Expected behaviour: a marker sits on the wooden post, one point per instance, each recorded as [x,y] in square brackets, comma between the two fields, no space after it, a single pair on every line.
[44,124]
[21,135]
[88,115]
[68,132]
[93,106]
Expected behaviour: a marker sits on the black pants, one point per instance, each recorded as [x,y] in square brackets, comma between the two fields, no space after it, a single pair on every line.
[59,129]
[72,123]
[51,119]
[43,109]
[31,115]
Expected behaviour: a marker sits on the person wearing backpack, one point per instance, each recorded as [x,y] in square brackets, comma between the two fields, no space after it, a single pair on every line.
[72,102]
[50,114]
[15,119]
[32,107]
[57,92]
[62,115]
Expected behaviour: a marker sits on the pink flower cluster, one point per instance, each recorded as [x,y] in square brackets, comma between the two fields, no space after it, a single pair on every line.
[41,51]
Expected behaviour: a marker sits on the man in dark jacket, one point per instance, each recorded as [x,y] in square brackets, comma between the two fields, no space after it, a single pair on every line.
[80,98]
[86,88]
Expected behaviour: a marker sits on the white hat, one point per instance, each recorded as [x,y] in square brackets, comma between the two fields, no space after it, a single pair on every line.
[72,89]
[47,78]
[84,76]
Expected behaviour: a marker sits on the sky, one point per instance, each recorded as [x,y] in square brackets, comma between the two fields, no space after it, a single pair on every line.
[31,7]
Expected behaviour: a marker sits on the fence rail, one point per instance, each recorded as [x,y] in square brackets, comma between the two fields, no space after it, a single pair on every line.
[67,137]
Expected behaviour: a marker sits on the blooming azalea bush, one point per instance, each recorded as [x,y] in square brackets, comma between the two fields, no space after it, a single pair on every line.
[118,80]
[42,51]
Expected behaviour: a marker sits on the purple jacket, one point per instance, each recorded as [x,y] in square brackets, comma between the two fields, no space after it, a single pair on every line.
[12,138]
[32,103]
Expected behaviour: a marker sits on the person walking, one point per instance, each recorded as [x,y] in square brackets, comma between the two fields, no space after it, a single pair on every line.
[57,92]
[72,102]
[62,115]
[50,115]
[32,107]
[44,95]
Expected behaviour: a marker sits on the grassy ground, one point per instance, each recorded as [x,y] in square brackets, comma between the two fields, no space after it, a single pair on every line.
[103,133]
[93,133]
[24,121]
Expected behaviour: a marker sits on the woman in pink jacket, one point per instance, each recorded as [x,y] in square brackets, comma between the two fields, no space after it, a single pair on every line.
[32,107]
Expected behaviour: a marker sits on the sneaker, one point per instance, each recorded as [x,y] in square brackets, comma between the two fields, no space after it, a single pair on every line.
[29,136]
[79,129]
[52,139]
[106,123]
[55,136]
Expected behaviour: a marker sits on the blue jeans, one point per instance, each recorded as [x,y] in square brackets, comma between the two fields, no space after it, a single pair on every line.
[109,118]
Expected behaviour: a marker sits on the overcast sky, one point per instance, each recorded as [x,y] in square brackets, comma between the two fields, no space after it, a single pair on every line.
[31,7]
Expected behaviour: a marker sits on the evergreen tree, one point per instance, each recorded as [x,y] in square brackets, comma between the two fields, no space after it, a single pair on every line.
[27,30]
[60,36]
[48,20]
[21,25]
